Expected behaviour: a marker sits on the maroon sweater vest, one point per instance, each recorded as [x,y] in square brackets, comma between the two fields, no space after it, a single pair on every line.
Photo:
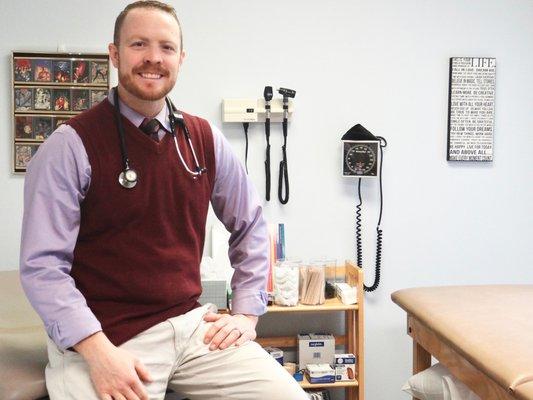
[138,251]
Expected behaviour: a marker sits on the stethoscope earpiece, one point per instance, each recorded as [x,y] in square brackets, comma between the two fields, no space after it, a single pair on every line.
[181,122]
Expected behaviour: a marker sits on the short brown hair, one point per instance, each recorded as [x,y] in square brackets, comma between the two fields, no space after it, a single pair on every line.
[154,4]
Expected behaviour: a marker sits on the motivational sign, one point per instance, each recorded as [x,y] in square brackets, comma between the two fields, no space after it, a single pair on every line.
[471,109]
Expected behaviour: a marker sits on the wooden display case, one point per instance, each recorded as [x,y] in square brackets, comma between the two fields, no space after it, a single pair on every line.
[47,90]
[352,340]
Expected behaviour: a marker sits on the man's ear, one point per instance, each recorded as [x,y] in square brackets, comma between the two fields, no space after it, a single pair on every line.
[113,54]
[182,57]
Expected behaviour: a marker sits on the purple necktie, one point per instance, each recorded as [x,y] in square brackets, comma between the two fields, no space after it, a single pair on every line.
[151,128]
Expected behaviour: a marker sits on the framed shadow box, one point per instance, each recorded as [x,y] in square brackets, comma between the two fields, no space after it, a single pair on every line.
[48,89]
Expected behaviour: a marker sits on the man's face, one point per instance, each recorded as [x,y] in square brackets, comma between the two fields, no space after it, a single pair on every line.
[148,56]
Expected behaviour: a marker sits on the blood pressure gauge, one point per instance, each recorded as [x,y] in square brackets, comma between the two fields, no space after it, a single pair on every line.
[362,154]
[360,158]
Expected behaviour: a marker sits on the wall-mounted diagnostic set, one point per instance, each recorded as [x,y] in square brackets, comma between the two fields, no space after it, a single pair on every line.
[362,157]
[267,109]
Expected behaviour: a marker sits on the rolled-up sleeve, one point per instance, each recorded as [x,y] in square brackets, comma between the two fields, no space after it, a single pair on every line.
[236,203]
[57,179]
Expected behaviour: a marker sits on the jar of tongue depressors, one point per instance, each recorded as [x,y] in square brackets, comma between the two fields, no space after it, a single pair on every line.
[313,283]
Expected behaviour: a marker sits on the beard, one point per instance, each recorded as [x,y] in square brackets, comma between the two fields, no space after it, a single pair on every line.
[130,85]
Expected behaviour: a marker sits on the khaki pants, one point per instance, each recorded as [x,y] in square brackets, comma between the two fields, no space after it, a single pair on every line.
[176,357]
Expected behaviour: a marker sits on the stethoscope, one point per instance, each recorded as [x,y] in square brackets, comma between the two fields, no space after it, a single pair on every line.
[128,177]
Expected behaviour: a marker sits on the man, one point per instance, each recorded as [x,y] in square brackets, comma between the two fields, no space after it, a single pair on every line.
[114,271]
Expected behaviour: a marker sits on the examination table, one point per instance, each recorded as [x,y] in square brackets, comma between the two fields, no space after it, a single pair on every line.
[482,334]
[22,343]
[23,356]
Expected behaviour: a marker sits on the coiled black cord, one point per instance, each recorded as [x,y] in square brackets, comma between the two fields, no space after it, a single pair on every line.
[378,262]
[283,169]
[245,126]
[358,227]
[379,231]
[267,159]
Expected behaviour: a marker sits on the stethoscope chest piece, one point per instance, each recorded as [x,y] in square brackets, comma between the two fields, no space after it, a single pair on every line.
[128,178]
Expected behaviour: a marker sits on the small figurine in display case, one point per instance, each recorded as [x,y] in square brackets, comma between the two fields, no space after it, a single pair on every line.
[42,127]
[80,99]
[97,96]
[22,70]
[42,70]
[62,71]
[43,97]
[61,100]
[80,71]
[23,127]
[24,153]
[23,99]
[99,70]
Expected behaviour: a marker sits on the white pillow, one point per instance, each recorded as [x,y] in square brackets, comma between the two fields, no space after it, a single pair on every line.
[427,385]
[437,383]
[454,389]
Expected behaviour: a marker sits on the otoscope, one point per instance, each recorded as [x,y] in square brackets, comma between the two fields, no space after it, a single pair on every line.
[268,96]
[283,170]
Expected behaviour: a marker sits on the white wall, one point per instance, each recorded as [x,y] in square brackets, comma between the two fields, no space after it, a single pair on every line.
[380,63]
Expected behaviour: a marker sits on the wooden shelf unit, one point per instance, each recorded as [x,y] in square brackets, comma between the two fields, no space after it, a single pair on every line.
[353,338]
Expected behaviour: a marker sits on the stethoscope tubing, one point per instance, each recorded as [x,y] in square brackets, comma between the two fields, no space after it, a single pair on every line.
[128,177]
[181,121]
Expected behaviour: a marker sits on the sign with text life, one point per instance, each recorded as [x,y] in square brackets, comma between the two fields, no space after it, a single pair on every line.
[471,108]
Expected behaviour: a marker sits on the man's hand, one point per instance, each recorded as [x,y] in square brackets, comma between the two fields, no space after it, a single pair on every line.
[229,329]
[116,374]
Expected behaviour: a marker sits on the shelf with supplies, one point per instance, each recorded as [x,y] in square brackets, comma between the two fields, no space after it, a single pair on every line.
[48,89]
[352,340]
[330,305]
[344,384]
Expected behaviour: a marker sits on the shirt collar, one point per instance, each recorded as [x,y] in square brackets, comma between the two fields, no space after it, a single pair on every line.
[134,117]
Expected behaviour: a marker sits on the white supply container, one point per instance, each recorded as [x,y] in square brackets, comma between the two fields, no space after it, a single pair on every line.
[286,275]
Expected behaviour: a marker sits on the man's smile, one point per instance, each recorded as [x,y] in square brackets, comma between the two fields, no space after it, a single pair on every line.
[150,76]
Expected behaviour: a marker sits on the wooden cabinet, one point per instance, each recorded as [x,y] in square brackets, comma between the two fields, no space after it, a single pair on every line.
[352,339]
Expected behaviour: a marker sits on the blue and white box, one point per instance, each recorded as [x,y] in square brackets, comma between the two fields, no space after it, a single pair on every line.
[320,373]
[314,348]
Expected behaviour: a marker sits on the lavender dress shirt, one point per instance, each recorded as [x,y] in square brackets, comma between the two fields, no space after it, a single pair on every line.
[57,180]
